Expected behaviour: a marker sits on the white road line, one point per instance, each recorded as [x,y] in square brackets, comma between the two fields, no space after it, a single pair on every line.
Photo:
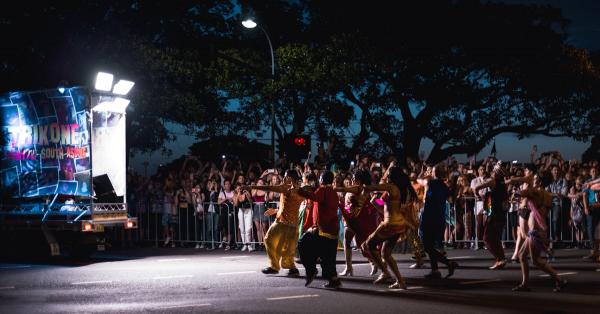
[474,282]
[172,260]
[240,256]
[91,282]
[7,287]
[15,266]
[461,257]
[294,297]
[237,273]
[560,274]
[182,306]
[173,277]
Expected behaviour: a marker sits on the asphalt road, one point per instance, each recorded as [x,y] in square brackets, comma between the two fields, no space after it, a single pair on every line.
[185,280]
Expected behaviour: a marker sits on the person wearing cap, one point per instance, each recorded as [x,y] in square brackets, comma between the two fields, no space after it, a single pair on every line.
[496,222]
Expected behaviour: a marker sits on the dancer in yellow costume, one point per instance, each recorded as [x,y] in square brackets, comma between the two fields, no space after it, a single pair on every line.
[281,239]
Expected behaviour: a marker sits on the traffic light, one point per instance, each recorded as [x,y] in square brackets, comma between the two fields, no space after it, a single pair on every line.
[296,147]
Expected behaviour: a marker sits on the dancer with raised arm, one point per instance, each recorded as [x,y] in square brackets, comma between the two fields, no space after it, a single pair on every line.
[397,219]
[360,217]
[281,239]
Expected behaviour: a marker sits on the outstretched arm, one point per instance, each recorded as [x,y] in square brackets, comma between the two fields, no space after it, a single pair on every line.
[271,188]
[350,189]
[379,187]
[487,184]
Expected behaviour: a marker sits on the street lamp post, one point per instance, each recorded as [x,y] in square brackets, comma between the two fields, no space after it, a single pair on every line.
[251,24]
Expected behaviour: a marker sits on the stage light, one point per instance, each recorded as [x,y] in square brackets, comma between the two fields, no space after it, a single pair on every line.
[104,81]
[117,105]
[61,90]
[249,23]
[122,87]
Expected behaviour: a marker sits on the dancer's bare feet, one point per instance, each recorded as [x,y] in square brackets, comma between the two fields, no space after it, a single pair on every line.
[398,285]
[348,271]
[385,276]
[374,269]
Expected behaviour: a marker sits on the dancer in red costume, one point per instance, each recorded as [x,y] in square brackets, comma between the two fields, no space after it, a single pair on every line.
[360,217]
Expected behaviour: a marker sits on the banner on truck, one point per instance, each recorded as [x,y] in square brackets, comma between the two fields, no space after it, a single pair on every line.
[46,144]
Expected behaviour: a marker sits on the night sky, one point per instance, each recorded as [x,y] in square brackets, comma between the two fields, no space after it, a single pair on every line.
[584,32]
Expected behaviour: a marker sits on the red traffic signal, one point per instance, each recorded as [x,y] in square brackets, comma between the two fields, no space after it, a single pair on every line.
[300,141]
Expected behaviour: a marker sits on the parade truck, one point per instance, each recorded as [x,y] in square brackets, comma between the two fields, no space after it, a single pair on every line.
[63,169]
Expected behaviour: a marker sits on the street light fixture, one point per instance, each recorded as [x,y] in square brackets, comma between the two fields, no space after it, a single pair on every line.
[112,104]
[104,81]
[249,23]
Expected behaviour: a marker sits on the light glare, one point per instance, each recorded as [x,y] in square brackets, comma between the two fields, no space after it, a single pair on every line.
[123,87]
[104,81]
[249,23]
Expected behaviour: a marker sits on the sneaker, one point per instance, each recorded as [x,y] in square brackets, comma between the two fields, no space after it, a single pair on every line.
[227,248]
[251,248]
[221,245]
[293,272]
[201,245]
[167,240]
[333,284]
[434,274]
[197,246]
[269,270]
[244,248]
[172,244]
[416,266]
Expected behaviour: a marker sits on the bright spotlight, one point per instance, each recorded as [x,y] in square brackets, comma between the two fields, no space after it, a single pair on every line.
[123,87]
[61,90]
[249,23]
[104,81]
[117,105]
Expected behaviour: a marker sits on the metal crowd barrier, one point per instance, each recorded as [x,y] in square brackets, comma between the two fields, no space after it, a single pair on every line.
[208,228]
[209,232]
[469,207]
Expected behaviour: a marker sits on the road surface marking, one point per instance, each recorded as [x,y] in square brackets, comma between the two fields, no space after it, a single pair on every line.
[172,260]
[7,287]
[240,256]
[560,274]
[238,272]
[91,282]
[182,306]
[173,277]
[474,282]
[461,257]
[15,266]
[294,297]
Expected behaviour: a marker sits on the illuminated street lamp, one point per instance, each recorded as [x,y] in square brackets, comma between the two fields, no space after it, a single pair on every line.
[249,23]
[112,104]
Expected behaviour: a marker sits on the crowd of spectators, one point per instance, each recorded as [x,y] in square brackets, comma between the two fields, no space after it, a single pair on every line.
[202,203]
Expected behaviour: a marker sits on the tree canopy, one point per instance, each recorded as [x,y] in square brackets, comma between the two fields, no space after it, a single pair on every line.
[383,77]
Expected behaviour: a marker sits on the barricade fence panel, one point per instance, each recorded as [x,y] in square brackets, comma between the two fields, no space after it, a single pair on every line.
[221,225]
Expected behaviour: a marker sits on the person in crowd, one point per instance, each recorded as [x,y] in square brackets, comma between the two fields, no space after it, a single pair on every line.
[259,199]
[242,200]
[183,203]
[169,217]
[479,203]
[577,212]
[559,189]
[226,213]
[432,219]
[498,195]
[523,210]
[591,206]
[463,202]
[198,199]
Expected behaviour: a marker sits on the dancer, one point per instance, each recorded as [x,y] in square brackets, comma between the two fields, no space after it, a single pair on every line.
[320,240]
[492,234]
[433,219]
[539,202]
[360,217]
[281,239]
[523,211]
[397,213]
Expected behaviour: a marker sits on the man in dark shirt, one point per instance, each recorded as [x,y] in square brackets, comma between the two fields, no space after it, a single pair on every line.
[320,240]
[433,219]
